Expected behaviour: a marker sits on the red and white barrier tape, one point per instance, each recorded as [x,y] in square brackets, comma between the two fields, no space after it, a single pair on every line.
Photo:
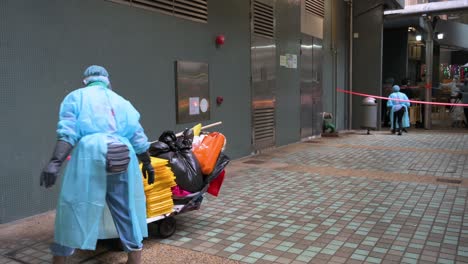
[401,100]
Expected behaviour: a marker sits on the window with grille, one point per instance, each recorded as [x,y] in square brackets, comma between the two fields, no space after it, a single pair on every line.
[316,7]
[263,19]
[196,10]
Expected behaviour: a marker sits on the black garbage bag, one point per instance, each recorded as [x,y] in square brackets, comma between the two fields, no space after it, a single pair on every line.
[221,163]
[160,150]
[169,138]
[184,164]
[185,141]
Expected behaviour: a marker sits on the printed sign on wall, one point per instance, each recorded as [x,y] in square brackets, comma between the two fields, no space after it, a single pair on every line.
[288,61]
[192,92]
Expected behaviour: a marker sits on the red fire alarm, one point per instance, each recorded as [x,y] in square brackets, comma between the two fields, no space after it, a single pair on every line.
[220,40]
[219,100]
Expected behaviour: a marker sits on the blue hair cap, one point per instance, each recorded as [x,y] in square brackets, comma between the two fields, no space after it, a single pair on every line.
[95,70]
[396,88]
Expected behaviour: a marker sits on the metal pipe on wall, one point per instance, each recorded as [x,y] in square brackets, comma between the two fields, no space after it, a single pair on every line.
[350,69]
[335,94]
[334,63]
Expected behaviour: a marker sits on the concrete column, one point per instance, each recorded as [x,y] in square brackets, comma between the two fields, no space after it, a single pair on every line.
[429,69]
[367,54]
[335,69]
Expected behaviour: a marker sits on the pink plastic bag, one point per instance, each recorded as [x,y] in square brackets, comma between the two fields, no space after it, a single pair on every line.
[177,191]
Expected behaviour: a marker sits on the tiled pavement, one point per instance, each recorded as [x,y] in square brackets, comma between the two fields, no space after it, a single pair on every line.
[352,199]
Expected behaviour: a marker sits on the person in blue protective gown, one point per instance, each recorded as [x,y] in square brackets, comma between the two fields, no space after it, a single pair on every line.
[102,132]
[399,117]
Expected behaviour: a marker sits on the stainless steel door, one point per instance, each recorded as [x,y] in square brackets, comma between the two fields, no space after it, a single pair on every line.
[306,86]
[263,56]
[311,86]
[317,89]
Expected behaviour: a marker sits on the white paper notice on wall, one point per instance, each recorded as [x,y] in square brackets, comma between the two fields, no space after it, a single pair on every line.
[291,61]
[283,60]
[194,105]
[288,61]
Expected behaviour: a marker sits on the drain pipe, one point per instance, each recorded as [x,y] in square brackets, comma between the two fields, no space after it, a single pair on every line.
[350,69]
[334,66]
[332,53]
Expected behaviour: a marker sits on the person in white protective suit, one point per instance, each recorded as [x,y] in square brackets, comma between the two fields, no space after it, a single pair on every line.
[456,112]
[399,117]
[104,133]
[454,89]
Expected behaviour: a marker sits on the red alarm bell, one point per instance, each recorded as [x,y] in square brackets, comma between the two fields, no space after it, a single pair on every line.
[219,100]
[220,40]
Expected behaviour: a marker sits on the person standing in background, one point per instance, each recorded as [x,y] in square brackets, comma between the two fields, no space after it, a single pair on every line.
[454,89]
[456,111]
[464,93]
[399,118]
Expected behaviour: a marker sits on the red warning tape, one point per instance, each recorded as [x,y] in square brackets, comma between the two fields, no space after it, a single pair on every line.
[402,100]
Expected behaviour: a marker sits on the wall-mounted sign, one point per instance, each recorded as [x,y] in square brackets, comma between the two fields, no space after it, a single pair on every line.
[283,61]
[192,92]
[194,106]
[288,61]
[204,105]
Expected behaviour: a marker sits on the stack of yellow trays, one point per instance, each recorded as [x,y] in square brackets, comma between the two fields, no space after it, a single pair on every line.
[159,194]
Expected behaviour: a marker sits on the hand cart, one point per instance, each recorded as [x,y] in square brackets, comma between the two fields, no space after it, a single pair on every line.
[164,226]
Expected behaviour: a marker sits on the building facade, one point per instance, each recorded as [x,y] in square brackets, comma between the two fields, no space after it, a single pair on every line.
[276,72]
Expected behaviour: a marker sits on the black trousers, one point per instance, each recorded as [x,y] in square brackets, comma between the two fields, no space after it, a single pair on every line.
[398,119]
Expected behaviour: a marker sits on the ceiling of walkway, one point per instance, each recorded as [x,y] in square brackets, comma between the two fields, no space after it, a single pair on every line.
[461,16]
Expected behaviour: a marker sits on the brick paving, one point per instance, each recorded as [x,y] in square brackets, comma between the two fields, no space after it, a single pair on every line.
[415,153]
[305,217]
[352,199]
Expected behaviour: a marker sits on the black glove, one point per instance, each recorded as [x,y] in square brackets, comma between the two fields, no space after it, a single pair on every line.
[50,172]
[147,169]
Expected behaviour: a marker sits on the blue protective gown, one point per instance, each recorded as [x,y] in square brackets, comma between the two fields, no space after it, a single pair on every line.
[88,117]
[393,103]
